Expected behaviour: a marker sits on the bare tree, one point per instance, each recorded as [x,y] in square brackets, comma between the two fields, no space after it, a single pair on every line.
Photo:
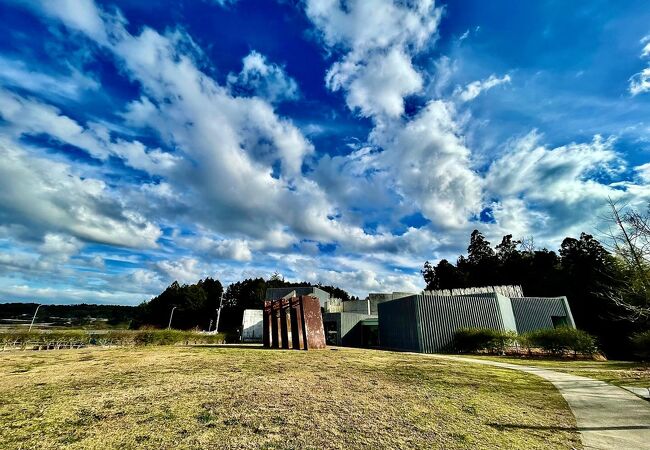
[527,244]
[629,240]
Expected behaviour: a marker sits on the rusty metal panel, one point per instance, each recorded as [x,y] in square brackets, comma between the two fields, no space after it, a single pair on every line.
[294,323]
[314,332]
[283,319]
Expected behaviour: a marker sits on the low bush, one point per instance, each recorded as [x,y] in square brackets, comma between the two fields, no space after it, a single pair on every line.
[468,340]
[56,339]
[553,341]
[560,341]
[641,344]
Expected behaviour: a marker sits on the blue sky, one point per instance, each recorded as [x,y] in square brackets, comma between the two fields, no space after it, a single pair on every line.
[341,142]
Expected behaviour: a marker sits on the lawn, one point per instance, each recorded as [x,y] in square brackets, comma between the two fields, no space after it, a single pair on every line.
[620,373]
[217,397]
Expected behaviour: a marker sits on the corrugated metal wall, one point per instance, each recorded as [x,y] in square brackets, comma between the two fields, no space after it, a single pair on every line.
[398,327]
[427,323]
[440,317]
[534,313]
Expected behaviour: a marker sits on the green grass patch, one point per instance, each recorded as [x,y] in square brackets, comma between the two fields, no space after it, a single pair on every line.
[620,373]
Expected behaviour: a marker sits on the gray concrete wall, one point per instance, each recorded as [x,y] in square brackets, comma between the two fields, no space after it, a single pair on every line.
[507,313]
[277,293]
[348,327]
[252,325]
[377,298]
[357,306]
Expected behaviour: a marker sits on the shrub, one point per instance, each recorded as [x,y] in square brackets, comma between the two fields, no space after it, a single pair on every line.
[558,341]
[76,338]
[641,344]
[468,340]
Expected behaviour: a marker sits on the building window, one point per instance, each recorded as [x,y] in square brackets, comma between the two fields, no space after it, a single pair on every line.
[559,321]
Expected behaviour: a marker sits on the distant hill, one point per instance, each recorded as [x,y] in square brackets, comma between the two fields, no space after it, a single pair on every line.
[97,316]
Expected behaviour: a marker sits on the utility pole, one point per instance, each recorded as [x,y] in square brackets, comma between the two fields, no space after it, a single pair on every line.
[170,318]
[34,318]
[216,328]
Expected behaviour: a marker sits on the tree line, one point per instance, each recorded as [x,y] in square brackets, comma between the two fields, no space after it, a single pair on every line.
[197,304]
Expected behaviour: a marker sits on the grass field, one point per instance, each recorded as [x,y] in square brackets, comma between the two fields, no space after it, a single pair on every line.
[215,397]
[620,373]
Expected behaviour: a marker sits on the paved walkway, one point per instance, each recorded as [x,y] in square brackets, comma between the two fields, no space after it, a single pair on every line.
[607,416]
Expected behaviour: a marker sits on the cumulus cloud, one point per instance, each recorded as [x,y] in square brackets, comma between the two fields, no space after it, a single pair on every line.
[39,194]
[566,185]
[432,165]
[378,37]
[423,157]
[378,85]
[234,144]
[263,79]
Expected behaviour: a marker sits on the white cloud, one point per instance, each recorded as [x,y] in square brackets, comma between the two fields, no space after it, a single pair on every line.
[379,37]
[16,73]
[79,15]
[643,172]
[60,245]
[474,89]
[233,249]
[432,165]
[377,85]
[30,117]
[558,188]
[184,270]
[41,194]
[640,82]
[365,25]
[63,295]
[233,144]
[260,78]
[247,186]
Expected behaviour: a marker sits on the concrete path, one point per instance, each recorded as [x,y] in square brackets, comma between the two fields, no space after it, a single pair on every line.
[607,416]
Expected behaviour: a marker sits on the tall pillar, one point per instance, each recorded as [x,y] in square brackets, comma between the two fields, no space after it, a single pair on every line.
[283,323]
[296,324]
[275,329]
[266,325]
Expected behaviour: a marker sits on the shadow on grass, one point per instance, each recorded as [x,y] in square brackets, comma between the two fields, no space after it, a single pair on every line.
[508,426]
[238,346]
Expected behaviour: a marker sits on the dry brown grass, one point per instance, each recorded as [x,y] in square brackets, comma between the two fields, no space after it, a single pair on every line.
[179,397]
